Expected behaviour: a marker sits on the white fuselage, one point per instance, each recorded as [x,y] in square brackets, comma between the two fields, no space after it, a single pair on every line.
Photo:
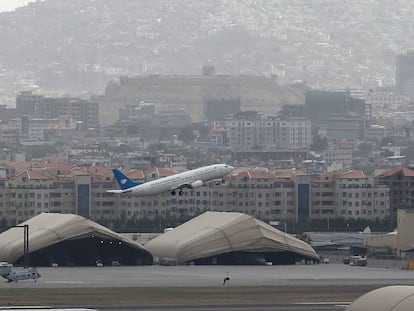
[174,182]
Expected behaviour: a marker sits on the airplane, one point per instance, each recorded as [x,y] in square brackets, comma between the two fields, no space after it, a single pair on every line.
[14,276]
[190,179]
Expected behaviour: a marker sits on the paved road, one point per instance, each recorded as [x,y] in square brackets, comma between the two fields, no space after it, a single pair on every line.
[214,307]
[124,279]
[191,276]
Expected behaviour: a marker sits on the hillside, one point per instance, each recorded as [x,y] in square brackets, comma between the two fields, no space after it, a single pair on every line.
[77,46]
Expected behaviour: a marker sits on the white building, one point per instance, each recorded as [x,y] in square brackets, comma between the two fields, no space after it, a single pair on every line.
[384,102]
[270,132]
[34,128]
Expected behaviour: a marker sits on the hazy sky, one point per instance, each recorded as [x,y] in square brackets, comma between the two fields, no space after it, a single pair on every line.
[10,5]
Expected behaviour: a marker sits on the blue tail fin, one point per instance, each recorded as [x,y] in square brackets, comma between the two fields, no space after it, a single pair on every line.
[124,181]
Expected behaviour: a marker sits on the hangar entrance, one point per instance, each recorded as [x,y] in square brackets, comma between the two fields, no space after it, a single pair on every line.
[251,258]
[88,251]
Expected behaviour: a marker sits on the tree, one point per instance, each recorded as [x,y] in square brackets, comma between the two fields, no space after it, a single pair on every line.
[319,143]
[186,134]
[364,149]
[35,152]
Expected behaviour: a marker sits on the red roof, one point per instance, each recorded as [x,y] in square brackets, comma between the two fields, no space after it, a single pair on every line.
[260,175]
[328,177]
[93,170]
[19,166]
[219,130]
[159,172]
[404,170]
[353,175]
[33,175]
[253,175]
[289,173]
[136,174]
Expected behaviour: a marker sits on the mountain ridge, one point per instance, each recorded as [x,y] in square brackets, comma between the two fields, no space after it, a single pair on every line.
[326,43]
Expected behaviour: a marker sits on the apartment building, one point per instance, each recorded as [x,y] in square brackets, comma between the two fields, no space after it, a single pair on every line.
[404,74]
[36,128]
[272,132]
[361,197]
[24,196]
[400,181]
[383,102]
[84,112]
[336,154]
[29,190]
[349,195]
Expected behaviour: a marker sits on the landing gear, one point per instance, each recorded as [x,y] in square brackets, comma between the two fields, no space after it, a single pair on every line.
[180,192]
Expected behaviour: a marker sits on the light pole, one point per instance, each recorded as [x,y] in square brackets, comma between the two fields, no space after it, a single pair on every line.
[25,243]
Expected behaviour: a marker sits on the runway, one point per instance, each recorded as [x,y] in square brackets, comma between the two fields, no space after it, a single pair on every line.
[218,307]
[300,287]
[202,276]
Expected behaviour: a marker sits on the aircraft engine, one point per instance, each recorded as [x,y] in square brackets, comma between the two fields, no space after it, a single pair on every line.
[196,184]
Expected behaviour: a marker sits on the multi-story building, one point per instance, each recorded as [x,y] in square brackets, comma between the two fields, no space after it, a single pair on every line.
[339,127]
[336,154]
[323,196]
[400,181]
[359,197]
[218,136]
[35,128]
[217,108]
[24,195]
[349,195]
[84,112]
[140,111]
[245,134]
[268,132]
[405,74]
[321,105]
[27,189]
[383,102]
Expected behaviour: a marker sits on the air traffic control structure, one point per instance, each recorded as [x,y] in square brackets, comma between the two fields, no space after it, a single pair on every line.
[68,239]
[227,238]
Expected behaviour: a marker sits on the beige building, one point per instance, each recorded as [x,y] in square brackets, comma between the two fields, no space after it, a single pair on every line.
[398,241]
[349,195]
[30,188]
[383,102]
[272,132]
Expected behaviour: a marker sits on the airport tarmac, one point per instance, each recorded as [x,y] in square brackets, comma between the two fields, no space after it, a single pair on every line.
[202,276]
[298,287]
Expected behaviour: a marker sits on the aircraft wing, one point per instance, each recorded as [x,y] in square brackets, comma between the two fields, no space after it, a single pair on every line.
[192,185]
[118,191]
[180,187]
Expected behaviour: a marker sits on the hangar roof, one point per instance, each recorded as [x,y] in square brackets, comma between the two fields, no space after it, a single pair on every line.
[395,298]
[47,229]
[214,233]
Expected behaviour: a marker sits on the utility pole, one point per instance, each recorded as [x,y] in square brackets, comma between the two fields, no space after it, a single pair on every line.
[25,243]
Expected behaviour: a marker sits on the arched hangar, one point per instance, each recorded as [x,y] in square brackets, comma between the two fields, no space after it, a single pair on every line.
[70,240]
[226,238]
[389,298]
